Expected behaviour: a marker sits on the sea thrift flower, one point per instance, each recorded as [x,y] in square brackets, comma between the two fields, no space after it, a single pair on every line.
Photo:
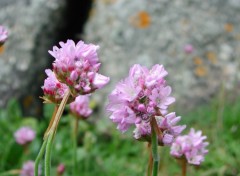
[60,169]
[80,107]
[167,126]
[188,48]
[24,135]
[77,66]
[142,95]
[52,88]
[191,146]
[3,35]
[28,169]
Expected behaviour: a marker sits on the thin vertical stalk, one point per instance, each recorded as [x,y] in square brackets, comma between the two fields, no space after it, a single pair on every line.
[48,154]
[42,150]
[39,157]
[150,161]
[184,167]
[154,140]
[74,136]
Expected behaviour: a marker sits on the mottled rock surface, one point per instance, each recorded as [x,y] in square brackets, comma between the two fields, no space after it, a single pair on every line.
[33,27]
[156,31]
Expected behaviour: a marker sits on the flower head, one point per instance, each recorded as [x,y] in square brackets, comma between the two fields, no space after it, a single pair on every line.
[140,96]
[188,48]
[77,66]
[191,146]
[52,88]
[28,169]
[3,35]
[24,135]
[80,107]
[60,169]
[167,126]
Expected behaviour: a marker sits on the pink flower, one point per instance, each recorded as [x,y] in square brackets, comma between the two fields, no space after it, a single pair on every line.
[140,96]
[28,169]
[60,169]
[52,88]
[188,48]
[191,146]
[167,126]
[24,135]
[80,107]
[77,66]
[3,35]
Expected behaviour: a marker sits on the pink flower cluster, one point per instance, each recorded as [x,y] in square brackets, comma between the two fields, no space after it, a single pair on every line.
[139,97]
[167,126]
[77,65]
[60,169]
[188,49]
[80,107]
[191,146]
[28,169]
[24,135]
[53,89]
[3,35]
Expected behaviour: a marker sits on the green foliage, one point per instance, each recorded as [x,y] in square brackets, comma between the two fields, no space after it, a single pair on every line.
[103,151]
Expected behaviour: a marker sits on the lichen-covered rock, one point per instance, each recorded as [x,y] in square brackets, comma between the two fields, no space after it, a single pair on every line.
[33,27]
[198,42]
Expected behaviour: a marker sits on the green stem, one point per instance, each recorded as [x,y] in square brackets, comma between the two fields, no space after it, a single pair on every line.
[74,136]
[48,154]
[184,167]
[154,148]
[51,131]
[39,157]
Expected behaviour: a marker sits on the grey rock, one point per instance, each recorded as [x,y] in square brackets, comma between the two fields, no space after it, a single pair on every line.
[32,29]
[152,32]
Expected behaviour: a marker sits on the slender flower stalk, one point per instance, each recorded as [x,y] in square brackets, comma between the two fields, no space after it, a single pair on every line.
[81,111]
[48,153]
[184,167]
[39,157]
[154,149]
[150,160]
[74,137]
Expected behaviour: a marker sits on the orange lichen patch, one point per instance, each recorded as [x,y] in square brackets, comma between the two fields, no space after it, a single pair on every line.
[28,100]
[142,20]
[201,71]
[228,27]
[212,57]
[1,49]
[198,61]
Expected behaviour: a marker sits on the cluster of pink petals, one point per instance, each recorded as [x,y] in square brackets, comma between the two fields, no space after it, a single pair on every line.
[77,66]
[80,107]
[28,169]
[24,135]
[60,169]
[140,96]
[3,35]
[167,126]
[52,88]
[188,48]
[191,146]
